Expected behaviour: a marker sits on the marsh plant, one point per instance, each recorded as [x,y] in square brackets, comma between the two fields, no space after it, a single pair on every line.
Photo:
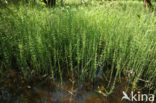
[114,38]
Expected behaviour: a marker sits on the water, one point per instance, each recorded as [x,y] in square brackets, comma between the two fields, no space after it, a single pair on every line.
[42,90]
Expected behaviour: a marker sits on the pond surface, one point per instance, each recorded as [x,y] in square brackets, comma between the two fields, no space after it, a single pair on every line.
[42,90]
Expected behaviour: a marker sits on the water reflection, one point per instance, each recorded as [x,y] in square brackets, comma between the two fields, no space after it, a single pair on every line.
[42,90]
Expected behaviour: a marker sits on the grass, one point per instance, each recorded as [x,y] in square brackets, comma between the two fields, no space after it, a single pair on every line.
[116,37]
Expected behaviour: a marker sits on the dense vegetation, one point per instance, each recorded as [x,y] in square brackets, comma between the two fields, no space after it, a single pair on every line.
[116,38]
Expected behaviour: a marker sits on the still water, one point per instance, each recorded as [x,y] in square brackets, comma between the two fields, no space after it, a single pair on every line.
[42,90]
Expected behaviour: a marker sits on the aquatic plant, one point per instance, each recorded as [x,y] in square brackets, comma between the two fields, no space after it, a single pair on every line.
[75,41]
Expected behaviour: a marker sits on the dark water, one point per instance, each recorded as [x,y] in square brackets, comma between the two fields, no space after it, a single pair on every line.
[42,90]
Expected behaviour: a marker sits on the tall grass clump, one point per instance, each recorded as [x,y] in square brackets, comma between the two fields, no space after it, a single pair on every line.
[76,41]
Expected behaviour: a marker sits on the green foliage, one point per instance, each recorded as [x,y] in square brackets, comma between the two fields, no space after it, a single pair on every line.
[77,40]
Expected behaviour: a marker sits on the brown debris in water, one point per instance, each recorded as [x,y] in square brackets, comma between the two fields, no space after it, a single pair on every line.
[41,89]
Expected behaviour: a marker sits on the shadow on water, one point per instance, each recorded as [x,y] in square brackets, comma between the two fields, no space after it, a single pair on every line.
[42,90]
